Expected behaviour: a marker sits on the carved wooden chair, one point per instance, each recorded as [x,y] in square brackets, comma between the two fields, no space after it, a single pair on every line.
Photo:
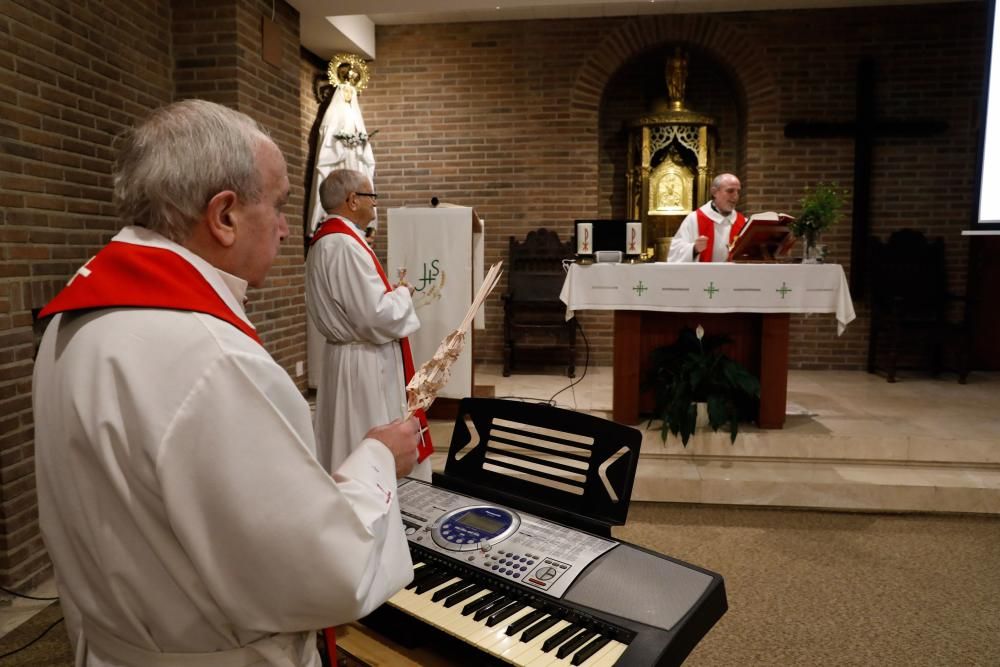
[914,319]
[535,324]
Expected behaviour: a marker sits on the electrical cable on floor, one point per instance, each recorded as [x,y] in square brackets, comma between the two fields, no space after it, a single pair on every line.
[26,597]
[44,632]
[586,365]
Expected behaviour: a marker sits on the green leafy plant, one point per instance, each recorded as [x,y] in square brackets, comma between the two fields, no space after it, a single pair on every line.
[820,208]
[693,370]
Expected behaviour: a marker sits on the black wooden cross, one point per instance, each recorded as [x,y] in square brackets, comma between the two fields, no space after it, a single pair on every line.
[866,128]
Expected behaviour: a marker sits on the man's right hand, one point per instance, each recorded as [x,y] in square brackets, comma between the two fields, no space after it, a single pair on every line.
[700,244]
[401,438]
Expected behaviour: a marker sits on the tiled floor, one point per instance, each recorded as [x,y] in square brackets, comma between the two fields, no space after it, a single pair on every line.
[851,441]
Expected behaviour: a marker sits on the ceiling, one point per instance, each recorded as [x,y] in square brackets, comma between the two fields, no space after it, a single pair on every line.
[335,26]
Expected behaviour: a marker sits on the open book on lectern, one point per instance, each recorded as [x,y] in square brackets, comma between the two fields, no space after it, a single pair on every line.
[765,237]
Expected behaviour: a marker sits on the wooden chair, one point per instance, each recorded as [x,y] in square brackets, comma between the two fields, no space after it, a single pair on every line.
[535,322]
[914,319]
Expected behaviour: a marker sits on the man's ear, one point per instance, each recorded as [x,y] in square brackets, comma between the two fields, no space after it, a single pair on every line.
[220,216]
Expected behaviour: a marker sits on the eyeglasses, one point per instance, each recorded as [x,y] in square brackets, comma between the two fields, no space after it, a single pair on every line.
[373,195]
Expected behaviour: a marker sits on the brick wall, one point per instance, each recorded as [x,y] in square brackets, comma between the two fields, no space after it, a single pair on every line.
[73,76]
[523,121]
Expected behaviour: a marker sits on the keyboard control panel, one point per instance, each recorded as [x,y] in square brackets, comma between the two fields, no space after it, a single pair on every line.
[520,547]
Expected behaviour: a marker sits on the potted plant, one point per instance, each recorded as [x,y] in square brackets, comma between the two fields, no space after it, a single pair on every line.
[820,208]
[694,370]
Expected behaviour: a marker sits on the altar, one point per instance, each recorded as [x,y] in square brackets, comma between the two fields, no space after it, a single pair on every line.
[749,302]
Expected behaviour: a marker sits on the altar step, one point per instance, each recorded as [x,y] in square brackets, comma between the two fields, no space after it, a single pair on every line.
[851,441]
[911,474]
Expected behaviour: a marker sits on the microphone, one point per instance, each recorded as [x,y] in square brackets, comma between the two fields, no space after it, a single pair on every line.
[434,202]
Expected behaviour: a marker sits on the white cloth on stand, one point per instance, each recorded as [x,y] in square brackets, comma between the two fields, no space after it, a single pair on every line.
[180,498]
[361,381]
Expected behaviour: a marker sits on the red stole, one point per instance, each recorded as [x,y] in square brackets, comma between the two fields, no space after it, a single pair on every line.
[338,226]
[129,275]
[706,227]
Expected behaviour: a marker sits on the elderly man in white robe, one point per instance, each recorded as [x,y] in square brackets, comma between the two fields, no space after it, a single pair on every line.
[179,494]
[363,318]
[706,233]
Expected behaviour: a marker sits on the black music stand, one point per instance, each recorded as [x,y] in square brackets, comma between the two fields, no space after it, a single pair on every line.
[567,466]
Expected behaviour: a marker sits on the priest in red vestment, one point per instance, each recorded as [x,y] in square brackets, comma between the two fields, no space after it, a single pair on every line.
[705,234]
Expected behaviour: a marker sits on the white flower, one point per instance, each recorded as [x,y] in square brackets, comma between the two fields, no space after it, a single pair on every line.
[699,332]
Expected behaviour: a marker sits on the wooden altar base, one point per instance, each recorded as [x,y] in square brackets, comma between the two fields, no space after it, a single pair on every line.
[760,343]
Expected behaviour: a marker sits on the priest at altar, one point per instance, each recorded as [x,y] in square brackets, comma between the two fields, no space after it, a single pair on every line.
[705,234]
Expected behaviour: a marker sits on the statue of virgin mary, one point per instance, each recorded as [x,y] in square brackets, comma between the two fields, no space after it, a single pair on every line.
[343,140]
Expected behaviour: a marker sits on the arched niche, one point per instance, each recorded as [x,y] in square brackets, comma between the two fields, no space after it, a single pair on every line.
[638,88]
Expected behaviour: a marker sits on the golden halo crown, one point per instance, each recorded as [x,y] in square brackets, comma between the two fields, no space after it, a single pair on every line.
[355,64]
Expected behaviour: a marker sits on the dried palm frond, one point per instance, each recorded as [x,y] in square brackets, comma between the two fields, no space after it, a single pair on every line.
[425,384]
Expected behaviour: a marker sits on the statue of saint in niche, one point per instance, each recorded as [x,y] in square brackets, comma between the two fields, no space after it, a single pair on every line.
[677,78]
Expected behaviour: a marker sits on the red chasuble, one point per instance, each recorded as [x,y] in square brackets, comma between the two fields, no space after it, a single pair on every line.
[128,275]
[706,227]
[338,226]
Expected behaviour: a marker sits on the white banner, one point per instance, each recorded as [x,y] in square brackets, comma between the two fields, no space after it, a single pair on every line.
[444,263]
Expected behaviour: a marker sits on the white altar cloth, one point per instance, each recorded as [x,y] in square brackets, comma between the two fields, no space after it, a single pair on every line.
[710,288]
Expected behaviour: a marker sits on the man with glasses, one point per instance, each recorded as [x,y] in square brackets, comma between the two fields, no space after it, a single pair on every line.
[365,320]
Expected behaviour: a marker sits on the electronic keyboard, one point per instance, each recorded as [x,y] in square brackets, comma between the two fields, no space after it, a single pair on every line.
[521,589]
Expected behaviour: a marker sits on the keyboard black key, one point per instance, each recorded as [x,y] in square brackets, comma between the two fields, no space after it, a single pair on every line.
[539,628]
[590,649]
[450,590]
[575,643]
[525,621]
[561,636]
[504,613]
[426,571]
[492,607]
[464,594]
[432,582]
[479,603]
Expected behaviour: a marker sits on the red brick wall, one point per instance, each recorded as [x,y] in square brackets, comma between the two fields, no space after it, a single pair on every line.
[72,76]
[522,120]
